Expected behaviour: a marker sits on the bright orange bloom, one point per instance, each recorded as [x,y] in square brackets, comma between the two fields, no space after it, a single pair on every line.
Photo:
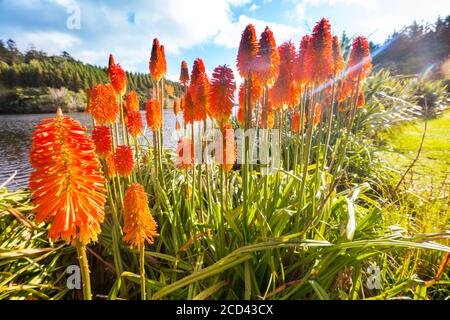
[157,61]
[163,60]
[248,48]
[188,110]
[185,151]
[285,91]
[102,140]
[267,60]
[199,90]
[67,185]
[117,76]
[361,99]
[338,60]
[178,126]
[221,92]
[153,114]
[176,109]
[131,102]
[317,114]
[139,224]
[302,71]
[320,58]
[110,165]
[134,123]
[184,73]
[124,160]
[103,104]
[256,93]
[360,61]
[241,115]
[226,148]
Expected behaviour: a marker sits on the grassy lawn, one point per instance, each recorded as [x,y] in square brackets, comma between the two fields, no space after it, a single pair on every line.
[433,166]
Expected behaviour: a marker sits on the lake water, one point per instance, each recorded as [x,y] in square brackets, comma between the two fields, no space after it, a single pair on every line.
[15,142]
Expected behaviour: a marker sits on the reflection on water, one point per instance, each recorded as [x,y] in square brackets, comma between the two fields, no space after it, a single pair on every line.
[15,142]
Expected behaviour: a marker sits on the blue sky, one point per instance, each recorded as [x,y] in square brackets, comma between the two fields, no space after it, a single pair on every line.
[209,29]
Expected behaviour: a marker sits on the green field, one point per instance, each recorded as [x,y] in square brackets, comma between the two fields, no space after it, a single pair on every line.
[432,168]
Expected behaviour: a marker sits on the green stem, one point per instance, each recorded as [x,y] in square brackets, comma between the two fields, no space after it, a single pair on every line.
[84,266]
[142,267]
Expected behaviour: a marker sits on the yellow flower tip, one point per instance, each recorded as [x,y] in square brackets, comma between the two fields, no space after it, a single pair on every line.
[140,226]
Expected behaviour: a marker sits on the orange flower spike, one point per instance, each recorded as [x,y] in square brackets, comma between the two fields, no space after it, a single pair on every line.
[134,124]
[184,73]
[163,60]
[248,49]
[185,152]
[338,60]
[176,108]
[124,160]
[321,57]
[102,140]
[110,165]
[222,91]
[67,183]
[361,99]
[268,59]
[302,70]
[139,224]
[199,90]
[117,76]
[131,102]
[153,114]
[178,126]
[188,110]
[360,61]
[156,64]
[103,104]
[317,114]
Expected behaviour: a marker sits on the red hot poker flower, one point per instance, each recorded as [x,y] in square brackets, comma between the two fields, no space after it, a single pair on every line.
[302,71]
[268,58]
[157,61]
[131,102]
[222,91]
[134,124]
[360,61]
[338,60]
[248,48]
[153,114]
[102,140]
[117,76]
[103,104]
[67,185]
[124,160]
[184,73]
[139,224]
[321,57]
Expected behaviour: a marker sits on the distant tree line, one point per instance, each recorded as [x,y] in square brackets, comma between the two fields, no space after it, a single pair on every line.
[416,48]
[35,69]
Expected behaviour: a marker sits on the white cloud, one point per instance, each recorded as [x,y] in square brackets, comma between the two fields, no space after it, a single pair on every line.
[54,41]
[230,35]
[253,7]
